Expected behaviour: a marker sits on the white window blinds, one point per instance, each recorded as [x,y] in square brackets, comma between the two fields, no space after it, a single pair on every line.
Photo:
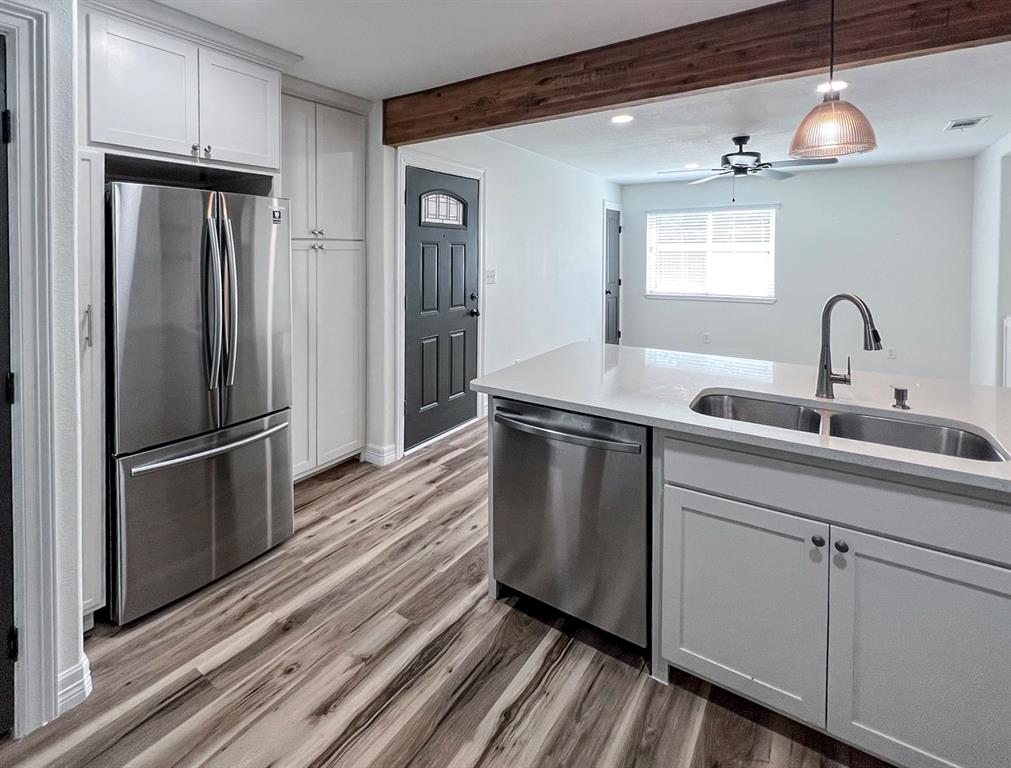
[712,253]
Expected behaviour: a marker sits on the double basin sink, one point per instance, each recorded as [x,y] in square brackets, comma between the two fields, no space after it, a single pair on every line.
[940,438]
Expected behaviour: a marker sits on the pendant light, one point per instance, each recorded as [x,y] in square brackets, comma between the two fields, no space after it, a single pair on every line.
[835,127]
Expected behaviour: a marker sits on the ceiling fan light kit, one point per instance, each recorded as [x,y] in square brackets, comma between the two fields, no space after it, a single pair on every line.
[835,127]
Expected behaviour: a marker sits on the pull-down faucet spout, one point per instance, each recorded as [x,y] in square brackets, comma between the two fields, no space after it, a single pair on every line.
[872,341]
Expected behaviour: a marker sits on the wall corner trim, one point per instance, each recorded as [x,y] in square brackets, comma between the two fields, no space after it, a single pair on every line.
[380,455]
[75,685]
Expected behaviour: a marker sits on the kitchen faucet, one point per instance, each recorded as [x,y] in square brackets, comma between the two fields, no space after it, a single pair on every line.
[872,341]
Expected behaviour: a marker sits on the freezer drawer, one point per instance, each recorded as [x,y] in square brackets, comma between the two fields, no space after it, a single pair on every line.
[188,513]
[570,514]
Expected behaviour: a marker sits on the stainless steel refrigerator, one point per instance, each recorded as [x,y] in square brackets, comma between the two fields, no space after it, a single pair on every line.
[199,388]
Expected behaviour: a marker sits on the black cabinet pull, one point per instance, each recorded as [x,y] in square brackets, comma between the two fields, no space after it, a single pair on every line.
[842,546]
[818,541]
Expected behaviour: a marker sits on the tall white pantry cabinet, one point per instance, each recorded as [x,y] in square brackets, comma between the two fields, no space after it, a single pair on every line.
[323,175]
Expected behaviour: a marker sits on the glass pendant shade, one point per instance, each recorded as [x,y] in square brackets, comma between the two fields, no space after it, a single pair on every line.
[833,128]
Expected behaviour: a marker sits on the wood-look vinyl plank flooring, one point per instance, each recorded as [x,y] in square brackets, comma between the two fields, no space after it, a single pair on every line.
[368,639]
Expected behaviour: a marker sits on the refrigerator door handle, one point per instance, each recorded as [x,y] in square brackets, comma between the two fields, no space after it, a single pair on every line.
[233,303]
[218,310]
[206,454]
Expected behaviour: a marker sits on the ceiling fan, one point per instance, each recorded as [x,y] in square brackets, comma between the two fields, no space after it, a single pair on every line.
[741,164]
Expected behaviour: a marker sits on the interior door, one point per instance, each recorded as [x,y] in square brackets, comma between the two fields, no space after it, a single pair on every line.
[441,282]
[257,362]
[6,491]
[612,282]
[165,314]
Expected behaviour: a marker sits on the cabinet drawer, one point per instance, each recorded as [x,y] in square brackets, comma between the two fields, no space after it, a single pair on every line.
[745,599]
[970,527]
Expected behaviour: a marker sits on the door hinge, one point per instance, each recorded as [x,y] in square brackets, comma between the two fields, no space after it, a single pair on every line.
[9,391]
[619,334]
[620,228]
[619,281]
[13,644]
[5,126]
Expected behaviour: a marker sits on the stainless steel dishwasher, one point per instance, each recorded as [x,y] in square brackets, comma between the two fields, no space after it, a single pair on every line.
[569,517]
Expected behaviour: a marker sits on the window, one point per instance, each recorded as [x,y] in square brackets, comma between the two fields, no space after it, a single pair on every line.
[717,254]
[441,208]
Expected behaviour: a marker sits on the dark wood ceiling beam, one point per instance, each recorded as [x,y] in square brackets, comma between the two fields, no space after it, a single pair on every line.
[773,41]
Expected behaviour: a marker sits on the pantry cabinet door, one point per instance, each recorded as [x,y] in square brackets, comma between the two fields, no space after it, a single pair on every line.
[142,86]
[240,105]
[298,164]
[340,173]
[340,348]
[303,358]
[919,654]
[745,600]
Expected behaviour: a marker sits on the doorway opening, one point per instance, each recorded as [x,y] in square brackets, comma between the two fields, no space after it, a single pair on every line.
[612,273]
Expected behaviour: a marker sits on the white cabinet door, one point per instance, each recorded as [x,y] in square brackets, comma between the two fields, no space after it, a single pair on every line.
[240,104]
[744,600]
[919,654]
[298,163]
[143,87]
[303,358]
[91,292]
[340,347]
[340,173]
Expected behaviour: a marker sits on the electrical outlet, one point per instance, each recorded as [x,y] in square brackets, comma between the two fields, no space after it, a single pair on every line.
[707,337]
[489,277]
[891,352]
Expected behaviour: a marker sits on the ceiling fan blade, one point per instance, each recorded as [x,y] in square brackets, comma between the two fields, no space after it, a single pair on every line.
[689,170]
[709,178]
[773,174]
[800,163]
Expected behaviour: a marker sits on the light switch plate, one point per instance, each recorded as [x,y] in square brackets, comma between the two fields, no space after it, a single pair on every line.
[489,277]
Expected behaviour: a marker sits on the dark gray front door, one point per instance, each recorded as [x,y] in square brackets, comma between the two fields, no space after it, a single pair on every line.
[6,507]
[440,333]
[612,281]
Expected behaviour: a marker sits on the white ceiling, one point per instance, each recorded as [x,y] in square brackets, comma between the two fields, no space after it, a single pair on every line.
[382,48]
[908,102]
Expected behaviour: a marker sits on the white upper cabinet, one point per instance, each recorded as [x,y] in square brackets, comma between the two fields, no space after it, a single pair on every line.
[323,170]
[340,173]
[143,86]
[239,110]
[151,90]
[298,164]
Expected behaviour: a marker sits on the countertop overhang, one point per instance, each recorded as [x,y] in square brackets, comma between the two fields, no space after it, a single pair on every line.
[656,387]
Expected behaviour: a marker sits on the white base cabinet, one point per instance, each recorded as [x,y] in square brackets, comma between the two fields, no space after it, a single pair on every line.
[899,649]
[328,353]
[728,564]
[919,665]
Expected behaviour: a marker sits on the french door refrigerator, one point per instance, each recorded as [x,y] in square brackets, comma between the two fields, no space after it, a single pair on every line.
[199,388]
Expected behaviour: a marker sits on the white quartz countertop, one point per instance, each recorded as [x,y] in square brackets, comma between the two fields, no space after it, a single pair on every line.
[656,387]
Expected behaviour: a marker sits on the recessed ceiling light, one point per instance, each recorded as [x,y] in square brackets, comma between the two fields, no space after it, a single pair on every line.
[691,166]
[620,119]
[835,86]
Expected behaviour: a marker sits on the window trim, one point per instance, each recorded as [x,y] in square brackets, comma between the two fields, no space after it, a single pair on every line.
[716,297]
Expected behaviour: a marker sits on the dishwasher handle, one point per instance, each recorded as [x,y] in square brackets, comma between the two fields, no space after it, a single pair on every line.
[567,437]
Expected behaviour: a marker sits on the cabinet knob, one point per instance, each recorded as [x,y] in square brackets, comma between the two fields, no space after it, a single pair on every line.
[195,147]
[314,231]
[322,232]
[207,149]
[842,546]
[818,541]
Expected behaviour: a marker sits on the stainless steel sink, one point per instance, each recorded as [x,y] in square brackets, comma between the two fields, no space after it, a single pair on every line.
[915,435]
[757,411]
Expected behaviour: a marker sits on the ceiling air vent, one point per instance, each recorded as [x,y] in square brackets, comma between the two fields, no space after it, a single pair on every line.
[965,122]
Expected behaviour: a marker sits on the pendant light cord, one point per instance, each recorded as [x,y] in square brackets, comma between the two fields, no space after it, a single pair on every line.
[831,48]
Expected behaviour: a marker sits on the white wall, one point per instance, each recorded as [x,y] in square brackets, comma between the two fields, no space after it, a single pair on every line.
[544,239]
[991,260]
[899,236]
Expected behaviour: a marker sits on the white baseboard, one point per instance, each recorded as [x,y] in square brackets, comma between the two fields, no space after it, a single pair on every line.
[75,685]
[380,455]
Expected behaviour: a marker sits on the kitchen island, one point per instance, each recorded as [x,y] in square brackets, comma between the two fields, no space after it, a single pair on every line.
[863,588]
